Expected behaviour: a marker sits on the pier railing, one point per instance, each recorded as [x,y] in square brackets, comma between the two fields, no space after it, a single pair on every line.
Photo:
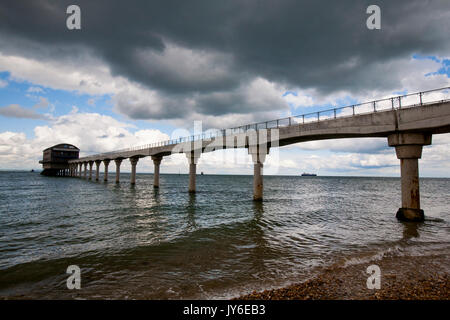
[398,102]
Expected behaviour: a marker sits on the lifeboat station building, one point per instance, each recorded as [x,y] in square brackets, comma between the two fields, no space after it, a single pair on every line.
[55,160]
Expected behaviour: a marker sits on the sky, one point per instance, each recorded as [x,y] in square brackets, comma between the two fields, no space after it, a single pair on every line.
[139,72]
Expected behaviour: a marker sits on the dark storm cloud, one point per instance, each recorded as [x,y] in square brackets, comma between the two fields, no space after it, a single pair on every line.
[310,44]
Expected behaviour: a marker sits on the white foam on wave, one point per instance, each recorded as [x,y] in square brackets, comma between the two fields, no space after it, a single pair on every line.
[397,250]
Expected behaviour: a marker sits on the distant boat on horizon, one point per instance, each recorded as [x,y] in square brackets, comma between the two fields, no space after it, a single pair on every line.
[304,174]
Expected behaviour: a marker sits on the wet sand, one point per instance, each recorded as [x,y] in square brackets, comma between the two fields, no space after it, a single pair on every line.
[404,278]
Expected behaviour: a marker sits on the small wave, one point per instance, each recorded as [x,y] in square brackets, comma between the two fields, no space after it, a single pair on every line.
[389,252]
[397,250]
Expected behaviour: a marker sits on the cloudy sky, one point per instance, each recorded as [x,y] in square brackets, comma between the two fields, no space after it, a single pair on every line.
[143,71]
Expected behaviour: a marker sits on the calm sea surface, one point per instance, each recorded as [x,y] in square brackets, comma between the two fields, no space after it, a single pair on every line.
[166,244]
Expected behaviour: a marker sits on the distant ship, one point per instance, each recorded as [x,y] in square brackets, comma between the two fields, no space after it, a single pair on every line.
[304,174]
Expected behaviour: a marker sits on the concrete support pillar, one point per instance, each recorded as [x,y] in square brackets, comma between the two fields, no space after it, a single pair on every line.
[118,162]
[408,147]
[258,186]
[134,162]
[192,159]
[97,169]
[258,157]
[85,170]
[80,169]
[106,163]
[156,163]
[91,163]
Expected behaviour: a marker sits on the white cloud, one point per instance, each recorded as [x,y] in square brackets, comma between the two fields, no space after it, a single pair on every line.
[33,89]
[10,141]
[350,161]
[3,83]
[91,77]
[297,100]
[91,132]
[16,111]
[42,104]
[360,145]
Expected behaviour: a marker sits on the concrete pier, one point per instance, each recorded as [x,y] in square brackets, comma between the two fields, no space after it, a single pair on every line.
[91,163]
[133,162]
[408,126]
[106,163]
[408,147]
[118,162]
[156,163]
[97,170]
[85,170]
[192,159]
[258,157]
